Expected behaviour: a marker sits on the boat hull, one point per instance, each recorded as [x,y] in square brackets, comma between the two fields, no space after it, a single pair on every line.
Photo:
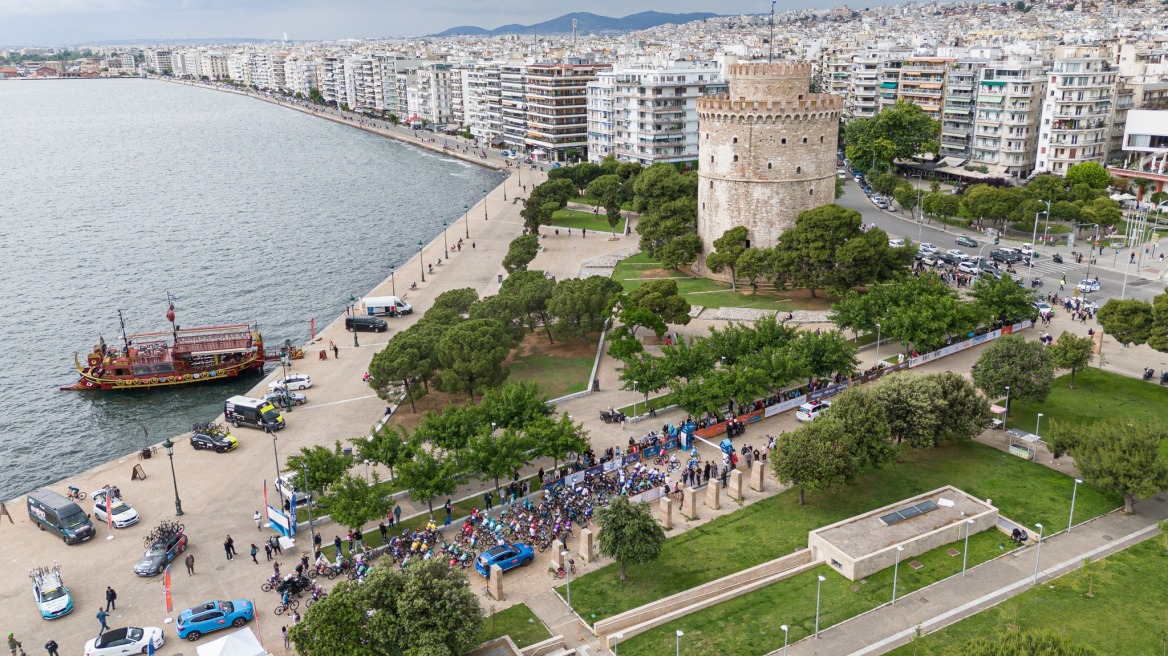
[88,381]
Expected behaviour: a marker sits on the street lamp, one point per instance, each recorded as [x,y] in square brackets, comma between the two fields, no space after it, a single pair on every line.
[1006,417]
[353,312]
[421,264]
[634,398]
[392,282]
[564,555]
[287,396]
[679,634]
[466,218]
[965,556]
[275,454]
[445,245]
[1074,492]
[1038,553]
[311,530]
[895,572]
[169,446]
[1037,424]
[818,588]
[877,345]
[366,471]
[617,638]
[485,194]
[785,634]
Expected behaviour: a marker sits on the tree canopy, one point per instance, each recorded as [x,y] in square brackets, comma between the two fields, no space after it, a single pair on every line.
[897,132]
[521,252]
[815,456]
[728,249]
[1129,321]
[1071,353]
[581,305]
[1119,454]
[472,355]
[1012,361]
[628,533]
[1091,174]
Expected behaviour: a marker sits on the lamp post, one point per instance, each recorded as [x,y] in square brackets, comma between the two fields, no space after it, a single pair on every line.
[785,635]
[634,398]
[311,530]
[679,634]
[392,282]
[353,312]
[965,555]
[505,188]
[466,218]
[1038,552]
[287,396]
[367,472]
[878,345]
[445,244]
[1074,492]
[169,446]
[1037,424]
[895,572]
[485,194]
[421,264]
[275,454]
[617,638]
[818,589]
[1006,417]
[564,555]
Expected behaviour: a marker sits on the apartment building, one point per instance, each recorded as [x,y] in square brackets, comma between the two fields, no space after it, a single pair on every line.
[482,102]
[215,65]
[922,82]
[160,61]
[1076,109]
[1008,112]
[648,114]
[958,115]
[299,76]
[513,105]
[331,80]
[434,94]
[557,108]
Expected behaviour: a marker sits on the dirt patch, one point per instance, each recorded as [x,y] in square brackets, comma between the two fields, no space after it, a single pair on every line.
[537,344]
[435,401]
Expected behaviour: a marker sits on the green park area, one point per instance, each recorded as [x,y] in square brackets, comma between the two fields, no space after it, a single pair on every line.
[518,622]
[776,526]
[578,220]
[1097,395]
[561,368]
[1116,606]
[639,269]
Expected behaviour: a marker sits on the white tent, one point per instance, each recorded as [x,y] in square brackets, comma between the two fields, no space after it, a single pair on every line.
[241,643]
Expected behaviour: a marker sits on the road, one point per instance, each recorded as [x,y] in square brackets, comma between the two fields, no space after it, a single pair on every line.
[1142,280]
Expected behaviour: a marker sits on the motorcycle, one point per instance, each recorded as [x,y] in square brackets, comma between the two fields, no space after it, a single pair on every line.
[613,416]
[1148,373]
[1058,259]
[1036,282]
[1164,378]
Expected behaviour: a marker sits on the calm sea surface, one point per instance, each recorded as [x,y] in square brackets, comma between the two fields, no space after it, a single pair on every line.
[113,192]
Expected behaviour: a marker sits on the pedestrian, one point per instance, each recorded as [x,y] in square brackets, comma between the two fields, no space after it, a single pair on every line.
[51,647]
[350,539]
[384,532]
[336,351]
[254,550]
[287,641]
[101,618]
[275,542]
[449,509]
[111,599]
[295,617]
[396,513]
[472,245]
[276,568]
[190,564]
[268,551]
[487,500]
[316,541]
[584,233]
[227,547]
[259,521]
[14,644]
[337,545]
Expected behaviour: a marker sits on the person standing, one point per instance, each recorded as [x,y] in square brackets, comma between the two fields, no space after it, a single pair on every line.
[337,545]
[336,351]
[396,514]
[254,550]
[111,599]
[51,647]
[384,532]
[227,547]
[268,550]
[287,641]
[449,509]
[101,618]
[190,564]
[14,644]
[259,521]
[275,542]
[487,501]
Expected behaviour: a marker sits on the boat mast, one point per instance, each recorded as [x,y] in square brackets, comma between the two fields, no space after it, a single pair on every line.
[125,340]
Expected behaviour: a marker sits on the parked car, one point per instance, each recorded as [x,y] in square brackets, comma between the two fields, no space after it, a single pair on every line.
[130,640]
[295,381]
[214,442]
[812,410]
[281,398]
[51,595]
[1005,255]
[896,243]
[928,248]
[1088,285]
[946,258]
[969,267]
[204,618]
[880,202]
[1044,310]
[1027,250]
[957,253]
[366,322]
[123,514]
[966,242]
[160,554]
[506,556]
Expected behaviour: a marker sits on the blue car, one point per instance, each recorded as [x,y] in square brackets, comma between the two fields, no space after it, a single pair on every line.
[212,616]
[507,556]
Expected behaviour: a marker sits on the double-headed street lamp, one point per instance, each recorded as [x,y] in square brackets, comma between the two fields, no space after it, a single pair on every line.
[286,394]
[421,264]
[392,282]
[445,244]
[353,313]
[169,446]
[485,194]
[1074,492]
[466,218]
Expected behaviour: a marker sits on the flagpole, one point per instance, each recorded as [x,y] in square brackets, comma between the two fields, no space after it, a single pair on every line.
[771,40]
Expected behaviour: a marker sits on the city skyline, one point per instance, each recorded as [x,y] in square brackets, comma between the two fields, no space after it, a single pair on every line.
[69,22]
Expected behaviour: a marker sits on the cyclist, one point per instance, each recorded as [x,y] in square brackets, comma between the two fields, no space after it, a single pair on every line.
[286,598]
[73,491]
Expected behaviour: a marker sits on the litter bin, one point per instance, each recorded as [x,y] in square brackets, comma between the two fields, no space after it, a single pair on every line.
[348,451]
[500,278]
[595,384]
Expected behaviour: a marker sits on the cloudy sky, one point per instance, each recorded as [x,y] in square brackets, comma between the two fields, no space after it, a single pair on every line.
[61,22]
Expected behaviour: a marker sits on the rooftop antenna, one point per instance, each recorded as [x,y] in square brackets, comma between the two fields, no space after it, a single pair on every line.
[573,34]
[771,40]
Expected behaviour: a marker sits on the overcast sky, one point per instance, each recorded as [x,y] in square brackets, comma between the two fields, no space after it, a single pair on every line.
[63,22]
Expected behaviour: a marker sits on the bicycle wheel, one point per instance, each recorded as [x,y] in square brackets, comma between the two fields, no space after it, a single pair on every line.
[280,610]
[266,587]
[180,528]
[294,604]
[312,572]
[309,603]
[560,574]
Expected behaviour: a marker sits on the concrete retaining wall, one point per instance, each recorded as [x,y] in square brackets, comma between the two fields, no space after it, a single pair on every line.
[551,645]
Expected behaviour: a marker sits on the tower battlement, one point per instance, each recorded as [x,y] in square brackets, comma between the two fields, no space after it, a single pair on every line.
[715,107]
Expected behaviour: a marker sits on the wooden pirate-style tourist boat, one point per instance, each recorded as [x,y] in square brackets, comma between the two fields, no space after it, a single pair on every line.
[176,357]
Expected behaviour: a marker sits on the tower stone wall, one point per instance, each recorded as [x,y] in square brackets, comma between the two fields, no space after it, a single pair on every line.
[767,152]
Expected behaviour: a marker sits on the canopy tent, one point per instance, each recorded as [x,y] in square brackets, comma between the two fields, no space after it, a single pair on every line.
[1122,197]
[241,643]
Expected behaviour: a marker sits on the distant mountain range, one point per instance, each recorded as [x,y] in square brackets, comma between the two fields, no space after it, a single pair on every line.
[585,23]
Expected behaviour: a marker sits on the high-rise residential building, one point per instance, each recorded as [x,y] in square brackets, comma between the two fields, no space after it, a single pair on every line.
[482,102]
[1077,109]
[299,76]
[958,114]
[922,82]
[513,104]
[331,80]
[434,93]
[861,100]
[557,108]
[161,61]
[1008,111]
[648,114]
[214,65]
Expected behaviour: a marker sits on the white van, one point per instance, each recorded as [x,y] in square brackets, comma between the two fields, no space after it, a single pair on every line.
[391,305]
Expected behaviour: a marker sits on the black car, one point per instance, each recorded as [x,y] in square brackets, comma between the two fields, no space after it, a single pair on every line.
[215,442]
[160,554]
[945,258]
[365,322]
[1008,257]
[965,241]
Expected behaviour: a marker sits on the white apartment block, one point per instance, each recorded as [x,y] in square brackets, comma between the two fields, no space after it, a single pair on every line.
[363,84]
[482,102]
[161,61]
[1077,109]
[557,108]
[215,66]
[187,64]
[648,115]
[299,76]
[513,104]
[1008,111]
[331,80]
[435,94]
[958,114]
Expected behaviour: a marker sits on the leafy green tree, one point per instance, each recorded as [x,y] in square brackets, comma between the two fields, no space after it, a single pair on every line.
[452,428]
[430,475]
[822,354]
[623,345]
[1012,361]
[605,185]
[325,466]
[993,204]
[897,132]
[1002,299]
[1040,642]
[387,446]
[531,291]
[1046,187]
[628,533]
[815,456]
[942,206]
[686,360]
[557,439]
[581,305]
[497,456]
[885,184]
[964,412]
[906,197]
[661,298]
[515,405]
[669,233]
[1088,173]
[635,317]
[919,311]
[456,300]
[1158,333]
[753,265]
[353,502]
[404,364]
[505,308]
[1129,321]
[472,355]
[545,200]
[1071,353]
[914,406]
[661,184]
[862,419]
[643,373]
[521,252]
[728,248]
[1120,455]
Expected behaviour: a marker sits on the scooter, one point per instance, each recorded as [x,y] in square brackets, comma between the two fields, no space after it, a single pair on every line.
[1036,282]
[1148,373]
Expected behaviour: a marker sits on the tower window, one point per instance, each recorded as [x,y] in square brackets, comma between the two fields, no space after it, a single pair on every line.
[798,169]
[735,139]
[821,138]
[811,192]
[711,184]
[768,165]
[784,141]
[711,159]
[735,158]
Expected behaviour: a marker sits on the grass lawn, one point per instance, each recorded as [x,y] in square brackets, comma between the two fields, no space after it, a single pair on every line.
[560,368]
[773,527]
[639,269]
[655,402]
[1125,616]
[750,624]
[585,220]
[518,622]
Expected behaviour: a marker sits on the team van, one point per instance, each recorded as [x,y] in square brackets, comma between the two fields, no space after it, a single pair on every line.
[53,512]
[259,413]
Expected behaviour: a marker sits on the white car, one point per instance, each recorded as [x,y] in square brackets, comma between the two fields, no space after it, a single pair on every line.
[957,253]
[926,247]
[969,267]
[812,411]
[895,243]
[52,597]
[1026,249]
[130,640]
[286,484]
[1088,285]
[295,382]
[123,514]
[880,203]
